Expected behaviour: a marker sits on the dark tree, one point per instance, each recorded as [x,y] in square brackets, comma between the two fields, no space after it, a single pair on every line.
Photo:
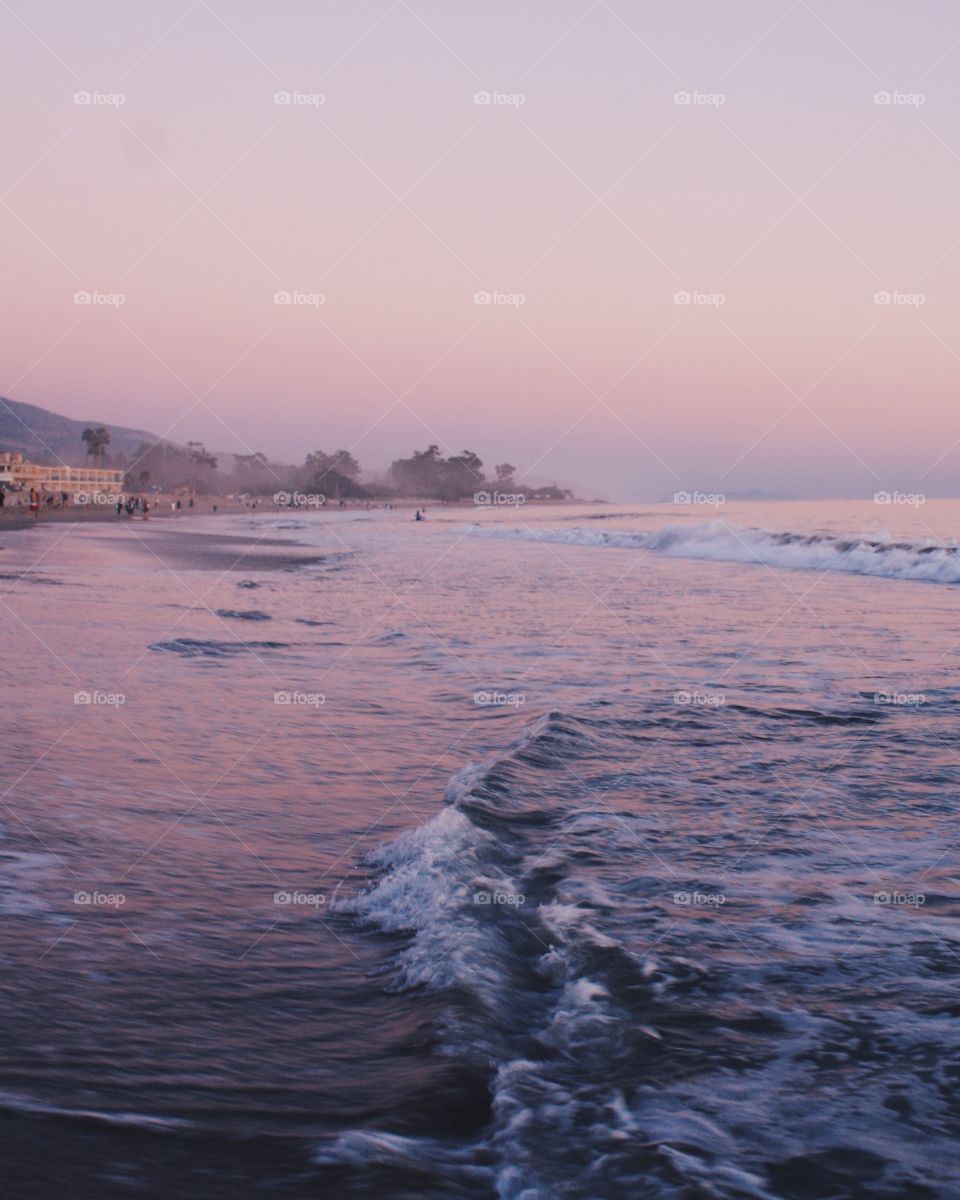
[419,475]
[97,439]
[427,473]
[462,476]
[505,473]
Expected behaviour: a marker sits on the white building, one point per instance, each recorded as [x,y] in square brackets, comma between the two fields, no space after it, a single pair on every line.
[18,474]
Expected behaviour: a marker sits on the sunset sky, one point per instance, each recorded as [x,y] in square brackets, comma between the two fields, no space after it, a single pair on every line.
[782,199]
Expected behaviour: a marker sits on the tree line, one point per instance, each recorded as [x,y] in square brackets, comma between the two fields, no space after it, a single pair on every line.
[426,474]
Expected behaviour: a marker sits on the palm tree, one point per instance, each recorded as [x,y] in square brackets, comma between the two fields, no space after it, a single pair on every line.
[97,439]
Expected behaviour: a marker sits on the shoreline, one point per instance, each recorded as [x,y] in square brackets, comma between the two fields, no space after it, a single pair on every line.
[19,517]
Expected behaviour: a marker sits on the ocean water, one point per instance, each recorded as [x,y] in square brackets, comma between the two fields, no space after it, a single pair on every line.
[518,854]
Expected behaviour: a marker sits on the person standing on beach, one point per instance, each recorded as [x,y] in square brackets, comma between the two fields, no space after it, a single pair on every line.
[35,503]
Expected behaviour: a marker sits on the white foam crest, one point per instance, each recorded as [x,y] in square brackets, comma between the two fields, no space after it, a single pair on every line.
[361,1147]
[927,561]
[531,1104]
[720,541]
[568,922]
[428,889]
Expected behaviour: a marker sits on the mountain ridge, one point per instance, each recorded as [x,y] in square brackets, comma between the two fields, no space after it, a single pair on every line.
[47,437]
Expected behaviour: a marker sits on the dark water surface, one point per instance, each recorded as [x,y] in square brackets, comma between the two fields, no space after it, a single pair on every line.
[513,856]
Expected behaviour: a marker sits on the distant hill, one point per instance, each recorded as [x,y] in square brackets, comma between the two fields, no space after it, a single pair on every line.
[46,437]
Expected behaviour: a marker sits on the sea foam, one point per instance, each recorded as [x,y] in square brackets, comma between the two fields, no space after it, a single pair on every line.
[927,561]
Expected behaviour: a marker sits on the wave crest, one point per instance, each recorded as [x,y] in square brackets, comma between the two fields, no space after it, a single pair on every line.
[925,561]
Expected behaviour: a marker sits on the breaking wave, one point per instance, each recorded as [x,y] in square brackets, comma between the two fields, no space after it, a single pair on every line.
[926,561]
[599,1051]
[542,994]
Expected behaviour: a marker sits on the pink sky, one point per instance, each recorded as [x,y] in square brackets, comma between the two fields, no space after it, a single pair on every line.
[398,198]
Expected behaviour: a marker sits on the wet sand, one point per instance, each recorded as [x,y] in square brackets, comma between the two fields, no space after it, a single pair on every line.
[186,549]
[175,544]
